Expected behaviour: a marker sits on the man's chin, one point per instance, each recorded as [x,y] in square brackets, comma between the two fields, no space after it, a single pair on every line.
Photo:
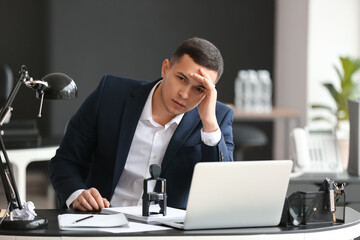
[176,112]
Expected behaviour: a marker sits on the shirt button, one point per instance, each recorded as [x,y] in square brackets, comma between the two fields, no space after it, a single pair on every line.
[154,156]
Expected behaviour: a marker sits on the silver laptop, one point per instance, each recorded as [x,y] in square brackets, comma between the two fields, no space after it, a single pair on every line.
[236,194]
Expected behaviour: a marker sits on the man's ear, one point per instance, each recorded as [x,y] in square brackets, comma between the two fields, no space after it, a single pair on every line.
[165,67]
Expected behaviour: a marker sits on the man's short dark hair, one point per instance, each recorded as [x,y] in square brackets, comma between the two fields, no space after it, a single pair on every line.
[202,52]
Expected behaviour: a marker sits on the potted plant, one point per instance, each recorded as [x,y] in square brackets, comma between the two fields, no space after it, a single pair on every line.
[349,89]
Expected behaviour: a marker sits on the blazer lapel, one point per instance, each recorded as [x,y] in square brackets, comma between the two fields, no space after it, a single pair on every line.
[133,107]
[185,128]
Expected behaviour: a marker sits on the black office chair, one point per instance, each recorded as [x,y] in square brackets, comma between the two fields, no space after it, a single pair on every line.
[246,137]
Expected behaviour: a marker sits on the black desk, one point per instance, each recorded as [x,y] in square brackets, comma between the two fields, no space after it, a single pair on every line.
[348,230]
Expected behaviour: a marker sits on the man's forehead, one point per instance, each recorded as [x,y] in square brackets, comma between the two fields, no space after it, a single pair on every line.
[187,65]
[192,80]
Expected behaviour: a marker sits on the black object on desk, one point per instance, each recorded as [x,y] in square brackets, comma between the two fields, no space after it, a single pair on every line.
[158,198]
[52,86]
[37,223]
[315,207]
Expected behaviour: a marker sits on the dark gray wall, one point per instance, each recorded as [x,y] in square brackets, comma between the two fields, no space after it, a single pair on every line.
[132,37]
[23,40]
[89,38]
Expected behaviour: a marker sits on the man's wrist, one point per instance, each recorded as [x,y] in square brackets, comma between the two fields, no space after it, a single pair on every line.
[212,138]
[73,196]
[210,126]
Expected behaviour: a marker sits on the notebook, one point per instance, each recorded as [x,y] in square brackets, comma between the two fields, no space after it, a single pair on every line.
[71,221]
[235,194]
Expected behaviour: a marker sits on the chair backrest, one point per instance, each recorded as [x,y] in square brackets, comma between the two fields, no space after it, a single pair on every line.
[6,83]
[247,137]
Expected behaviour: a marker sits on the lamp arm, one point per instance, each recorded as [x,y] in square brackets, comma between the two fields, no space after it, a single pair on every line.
[24,78]
[6,172]
[8,180]
[41,87]
[7,108]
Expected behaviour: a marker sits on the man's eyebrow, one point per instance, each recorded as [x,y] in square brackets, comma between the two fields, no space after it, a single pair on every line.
[183,75]
[201,86]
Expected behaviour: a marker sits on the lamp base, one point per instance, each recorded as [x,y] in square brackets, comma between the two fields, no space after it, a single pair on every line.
[37,223]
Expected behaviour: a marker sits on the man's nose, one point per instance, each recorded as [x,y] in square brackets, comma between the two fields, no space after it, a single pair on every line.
[184,92]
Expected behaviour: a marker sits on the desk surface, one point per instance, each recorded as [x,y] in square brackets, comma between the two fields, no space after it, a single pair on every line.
[275,113]
[350,227]
[343,177]
[41,143]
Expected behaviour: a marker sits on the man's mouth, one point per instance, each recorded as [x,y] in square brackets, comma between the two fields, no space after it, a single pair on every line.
[177,104]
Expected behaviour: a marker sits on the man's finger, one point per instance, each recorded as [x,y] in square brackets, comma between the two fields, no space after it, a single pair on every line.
[106,203]
[205,79]
[77,205]
[205,74]
[85,203]
[96,200]
[89,200]
[94,204]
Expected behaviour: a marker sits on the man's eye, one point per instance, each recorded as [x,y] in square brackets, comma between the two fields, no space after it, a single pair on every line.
[181,78]
[200,90]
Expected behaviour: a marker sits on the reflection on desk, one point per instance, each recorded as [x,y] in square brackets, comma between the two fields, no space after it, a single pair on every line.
[350,229]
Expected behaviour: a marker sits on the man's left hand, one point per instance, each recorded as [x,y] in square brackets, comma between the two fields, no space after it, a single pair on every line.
[208,104]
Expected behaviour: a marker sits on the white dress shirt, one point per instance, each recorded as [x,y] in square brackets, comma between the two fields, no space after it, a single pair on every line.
[148,147]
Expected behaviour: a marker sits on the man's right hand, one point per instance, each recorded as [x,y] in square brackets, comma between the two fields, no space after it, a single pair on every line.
[90,200]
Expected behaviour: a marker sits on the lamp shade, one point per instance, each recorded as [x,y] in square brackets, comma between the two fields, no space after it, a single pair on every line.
[60,86]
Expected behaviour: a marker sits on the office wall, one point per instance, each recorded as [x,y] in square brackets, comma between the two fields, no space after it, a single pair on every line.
[291,34]
[334,31]
[88,38]
[23,40]
[131,38]
[309,38]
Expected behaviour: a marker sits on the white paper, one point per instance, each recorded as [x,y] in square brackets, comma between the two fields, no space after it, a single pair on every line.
[26,213]
[131,227]
[97,221]
[135,213]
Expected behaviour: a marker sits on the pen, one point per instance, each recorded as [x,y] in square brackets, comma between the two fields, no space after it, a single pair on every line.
[82,219]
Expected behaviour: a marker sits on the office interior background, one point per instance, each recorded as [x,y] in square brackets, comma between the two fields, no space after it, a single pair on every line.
[298,42]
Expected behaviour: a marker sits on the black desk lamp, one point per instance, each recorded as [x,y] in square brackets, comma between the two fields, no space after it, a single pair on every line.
[52,86]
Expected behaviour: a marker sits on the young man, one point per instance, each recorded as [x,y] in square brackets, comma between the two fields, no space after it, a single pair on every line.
[126,125]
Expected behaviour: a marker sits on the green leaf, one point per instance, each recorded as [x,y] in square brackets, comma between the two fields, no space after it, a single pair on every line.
[339,75]
[347,66]
[349,89]
[333,92]
[350,66]
[356,64]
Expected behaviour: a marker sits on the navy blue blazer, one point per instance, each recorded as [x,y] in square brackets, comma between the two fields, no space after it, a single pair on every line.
[96,144]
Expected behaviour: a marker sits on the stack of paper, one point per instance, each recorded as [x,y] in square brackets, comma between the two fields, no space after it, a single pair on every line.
[67,221]
[135,213]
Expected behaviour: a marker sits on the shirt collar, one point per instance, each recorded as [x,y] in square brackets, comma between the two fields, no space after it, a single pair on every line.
[146,115]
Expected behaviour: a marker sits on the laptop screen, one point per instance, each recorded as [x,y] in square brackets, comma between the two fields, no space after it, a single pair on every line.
[237,194]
